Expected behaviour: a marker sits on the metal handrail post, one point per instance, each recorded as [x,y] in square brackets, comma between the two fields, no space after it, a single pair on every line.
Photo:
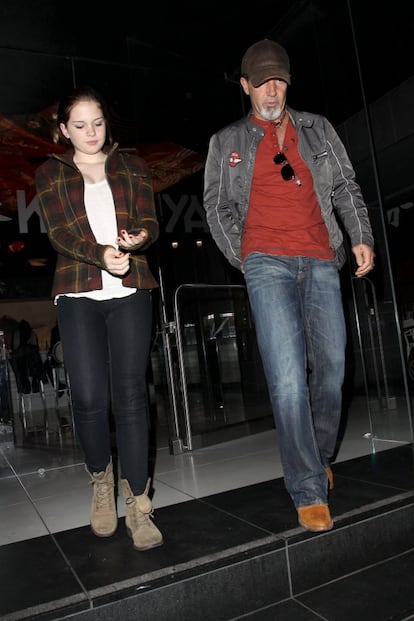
[188,444]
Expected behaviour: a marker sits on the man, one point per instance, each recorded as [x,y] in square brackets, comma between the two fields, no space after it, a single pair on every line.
[273,181]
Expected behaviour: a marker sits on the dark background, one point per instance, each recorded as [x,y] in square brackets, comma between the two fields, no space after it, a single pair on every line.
[170,71]
[172,68]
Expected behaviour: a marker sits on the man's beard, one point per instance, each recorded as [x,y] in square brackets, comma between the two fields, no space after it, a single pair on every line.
[271,114]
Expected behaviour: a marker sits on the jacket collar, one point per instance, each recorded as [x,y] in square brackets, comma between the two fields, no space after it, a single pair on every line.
[297,118]
[67,157]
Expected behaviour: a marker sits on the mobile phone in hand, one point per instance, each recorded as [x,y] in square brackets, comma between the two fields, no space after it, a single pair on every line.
[130,232]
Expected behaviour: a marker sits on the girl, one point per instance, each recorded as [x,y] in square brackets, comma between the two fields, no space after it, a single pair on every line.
[98,208]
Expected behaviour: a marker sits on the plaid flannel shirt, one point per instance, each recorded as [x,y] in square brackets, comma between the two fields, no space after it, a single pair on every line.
[60,190]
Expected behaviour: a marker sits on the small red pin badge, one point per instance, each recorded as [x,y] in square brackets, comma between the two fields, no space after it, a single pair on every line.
[234,159]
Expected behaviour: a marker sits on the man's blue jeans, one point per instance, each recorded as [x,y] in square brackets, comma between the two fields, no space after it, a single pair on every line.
[298,313]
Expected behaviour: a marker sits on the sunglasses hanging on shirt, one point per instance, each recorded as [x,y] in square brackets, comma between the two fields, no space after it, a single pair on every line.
[287,172]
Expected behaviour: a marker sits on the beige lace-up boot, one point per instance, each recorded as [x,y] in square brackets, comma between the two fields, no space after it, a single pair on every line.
[104,519]
[138,513]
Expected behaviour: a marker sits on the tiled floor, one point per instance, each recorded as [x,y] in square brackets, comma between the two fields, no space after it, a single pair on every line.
[44,489]
[45,501]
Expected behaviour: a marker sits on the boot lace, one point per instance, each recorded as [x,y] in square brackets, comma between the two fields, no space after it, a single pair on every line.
[103,495]
[138,517]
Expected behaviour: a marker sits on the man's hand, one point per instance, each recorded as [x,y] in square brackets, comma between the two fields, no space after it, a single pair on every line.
[364,256]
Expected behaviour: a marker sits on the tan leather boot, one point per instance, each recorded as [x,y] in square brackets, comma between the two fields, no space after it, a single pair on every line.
[315,517]
[138,513]
[104,519]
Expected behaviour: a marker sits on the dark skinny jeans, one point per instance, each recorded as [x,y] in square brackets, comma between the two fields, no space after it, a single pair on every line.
[106,349]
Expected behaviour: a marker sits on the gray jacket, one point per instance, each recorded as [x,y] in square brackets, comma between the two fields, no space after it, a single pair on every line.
[228,180]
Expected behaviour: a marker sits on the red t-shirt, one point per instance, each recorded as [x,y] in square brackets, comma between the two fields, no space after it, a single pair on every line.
[283,218]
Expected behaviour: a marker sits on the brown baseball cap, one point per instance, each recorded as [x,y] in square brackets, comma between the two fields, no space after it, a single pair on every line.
[265,60]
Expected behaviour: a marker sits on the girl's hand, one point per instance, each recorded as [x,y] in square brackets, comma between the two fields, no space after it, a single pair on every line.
[116,262]
[131,239]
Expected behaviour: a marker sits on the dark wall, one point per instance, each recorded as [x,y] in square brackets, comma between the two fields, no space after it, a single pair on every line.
[169,74]
[173,67]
